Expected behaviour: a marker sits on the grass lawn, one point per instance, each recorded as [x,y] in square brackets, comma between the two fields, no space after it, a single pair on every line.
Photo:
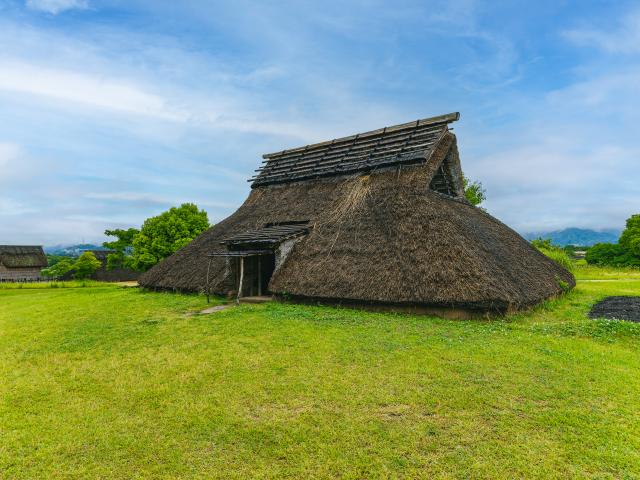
[108,382]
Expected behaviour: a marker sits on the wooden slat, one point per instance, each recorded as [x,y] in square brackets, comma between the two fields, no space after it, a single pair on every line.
[371,150]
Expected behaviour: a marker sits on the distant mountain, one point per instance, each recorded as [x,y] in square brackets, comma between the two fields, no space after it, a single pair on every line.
[577,236]
[71,250]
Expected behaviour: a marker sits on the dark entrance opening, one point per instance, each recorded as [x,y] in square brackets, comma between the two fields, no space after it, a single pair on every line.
[258,270]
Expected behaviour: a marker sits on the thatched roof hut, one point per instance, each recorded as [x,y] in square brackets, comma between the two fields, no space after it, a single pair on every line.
[21,262]
[103,274]
[377,218]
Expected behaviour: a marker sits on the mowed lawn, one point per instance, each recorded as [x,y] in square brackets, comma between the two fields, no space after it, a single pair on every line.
[108,382]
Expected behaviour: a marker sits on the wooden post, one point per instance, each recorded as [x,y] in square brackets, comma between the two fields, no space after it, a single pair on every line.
[259,258]
[241,278]
[208,288]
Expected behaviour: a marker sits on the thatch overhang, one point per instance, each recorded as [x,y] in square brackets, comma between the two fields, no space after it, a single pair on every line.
[240,253]
[268,236]
[22,256]
[393,234]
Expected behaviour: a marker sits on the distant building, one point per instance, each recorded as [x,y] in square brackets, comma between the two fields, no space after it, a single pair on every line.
[105,275]
[115,275]
[21,262]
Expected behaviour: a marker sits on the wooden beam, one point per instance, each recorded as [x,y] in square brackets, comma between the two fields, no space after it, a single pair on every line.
[241,278]
[259,259]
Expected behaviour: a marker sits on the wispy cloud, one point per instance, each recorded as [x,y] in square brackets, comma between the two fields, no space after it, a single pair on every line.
[623,38]
[12,208]
[9,152]
[89,90]
[56,6]
[153,199]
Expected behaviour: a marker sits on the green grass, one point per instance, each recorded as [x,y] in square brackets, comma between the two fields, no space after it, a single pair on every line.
[52,284]
[119,383]
[584,271]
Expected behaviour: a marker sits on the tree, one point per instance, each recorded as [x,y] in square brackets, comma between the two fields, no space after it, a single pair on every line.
[86,265]
[123,246]
[59,268]
[630,238]
[473,191]
[625,253]
[166,233]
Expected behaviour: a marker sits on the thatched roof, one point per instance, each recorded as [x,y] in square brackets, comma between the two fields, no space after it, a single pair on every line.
[382,235]
[22,256]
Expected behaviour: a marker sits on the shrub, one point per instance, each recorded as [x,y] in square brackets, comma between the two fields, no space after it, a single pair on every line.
[474,192]
[611,254]
[58,269]
[556,254]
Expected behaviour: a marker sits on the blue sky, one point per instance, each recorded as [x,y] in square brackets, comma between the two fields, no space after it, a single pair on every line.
[112,111]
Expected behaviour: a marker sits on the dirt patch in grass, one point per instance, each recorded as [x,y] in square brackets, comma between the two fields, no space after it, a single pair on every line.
[619,308]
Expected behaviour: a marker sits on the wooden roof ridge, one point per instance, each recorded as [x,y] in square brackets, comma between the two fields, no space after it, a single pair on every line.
[446,118]
[407,143]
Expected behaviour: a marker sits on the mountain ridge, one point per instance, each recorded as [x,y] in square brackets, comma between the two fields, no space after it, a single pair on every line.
[577,236]
[71,250]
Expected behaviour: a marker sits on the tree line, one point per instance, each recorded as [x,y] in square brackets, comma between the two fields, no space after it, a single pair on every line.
[157,238]
[138,249]
[625,253]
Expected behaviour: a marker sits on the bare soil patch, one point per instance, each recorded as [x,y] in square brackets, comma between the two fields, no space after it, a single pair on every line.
[618,308]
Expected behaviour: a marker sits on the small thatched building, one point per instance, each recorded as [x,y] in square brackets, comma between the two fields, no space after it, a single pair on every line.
[21,263]
[377,218]
[103,274]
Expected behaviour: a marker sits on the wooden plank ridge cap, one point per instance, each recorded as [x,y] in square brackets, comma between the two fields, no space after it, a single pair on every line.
[444,119]
[408,159]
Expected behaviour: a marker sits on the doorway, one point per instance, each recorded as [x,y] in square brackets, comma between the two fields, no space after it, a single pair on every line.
[258,270]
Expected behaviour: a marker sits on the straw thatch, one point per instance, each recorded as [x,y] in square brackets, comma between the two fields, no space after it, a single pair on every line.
[379,236]
[22,256]
[21,262]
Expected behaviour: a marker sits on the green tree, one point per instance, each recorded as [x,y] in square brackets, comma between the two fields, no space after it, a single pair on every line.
[123,246]
[625,253]
[605,254]
[166,233]
[630,238]
[59,268]
[473,191]
[86,265]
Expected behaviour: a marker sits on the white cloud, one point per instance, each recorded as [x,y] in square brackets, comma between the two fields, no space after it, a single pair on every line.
[12,208]
[601,94]
[124,96]
[82,88]
[57,6]
[8,153]
[151,199]
[623,39]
